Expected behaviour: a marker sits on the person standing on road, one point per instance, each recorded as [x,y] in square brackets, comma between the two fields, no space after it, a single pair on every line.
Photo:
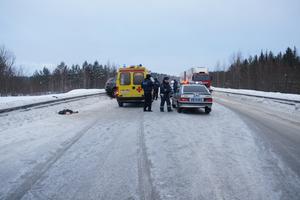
[147,86]
[165,91]
[156,87]
[175,86]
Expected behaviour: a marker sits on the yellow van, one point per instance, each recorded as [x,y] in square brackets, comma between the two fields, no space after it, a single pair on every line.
[128,84]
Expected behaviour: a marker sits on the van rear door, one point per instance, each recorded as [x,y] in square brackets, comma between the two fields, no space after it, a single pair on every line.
[125,84]
[137,79]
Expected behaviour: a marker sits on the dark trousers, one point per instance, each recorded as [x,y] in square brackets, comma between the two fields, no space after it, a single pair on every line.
[165,98]
[155,94]
[148,100]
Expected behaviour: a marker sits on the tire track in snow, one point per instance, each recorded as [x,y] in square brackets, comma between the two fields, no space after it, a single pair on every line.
[37,172]
[84,192]
[145,186]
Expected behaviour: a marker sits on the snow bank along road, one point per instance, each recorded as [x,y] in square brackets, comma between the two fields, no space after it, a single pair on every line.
[106,152]
[8,104]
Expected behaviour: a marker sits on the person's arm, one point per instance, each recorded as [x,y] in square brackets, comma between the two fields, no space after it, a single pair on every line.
[142,85]
[169,90]
[162,89]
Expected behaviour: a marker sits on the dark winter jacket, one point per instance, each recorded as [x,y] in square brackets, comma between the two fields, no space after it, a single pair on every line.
[156,85]
[147,85]
[175,86]
[165,88]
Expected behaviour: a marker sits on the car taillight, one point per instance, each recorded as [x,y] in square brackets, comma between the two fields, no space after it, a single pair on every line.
[208,100]
[184,99]
[116,91]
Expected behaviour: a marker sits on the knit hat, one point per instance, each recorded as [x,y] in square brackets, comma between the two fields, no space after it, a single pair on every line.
[148,76]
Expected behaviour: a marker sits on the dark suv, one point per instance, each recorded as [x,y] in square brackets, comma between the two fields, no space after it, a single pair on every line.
[110,86]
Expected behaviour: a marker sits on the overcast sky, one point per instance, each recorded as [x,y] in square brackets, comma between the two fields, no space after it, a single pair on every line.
[168,36]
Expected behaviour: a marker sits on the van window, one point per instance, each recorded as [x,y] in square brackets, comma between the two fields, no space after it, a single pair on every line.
[138,78]
[200,77]
[124,78]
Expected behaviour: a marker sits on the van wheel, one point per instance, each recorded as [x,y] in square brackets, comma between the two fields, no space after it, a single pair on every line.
[207,110]
[120,104]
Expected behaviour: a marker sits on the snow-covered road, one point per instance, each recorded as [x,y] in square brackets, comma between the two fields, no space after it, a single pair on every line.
[106,152]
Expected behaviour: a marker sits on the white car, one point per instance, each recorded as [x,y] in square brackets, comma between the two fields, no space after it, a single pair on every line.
[192,96]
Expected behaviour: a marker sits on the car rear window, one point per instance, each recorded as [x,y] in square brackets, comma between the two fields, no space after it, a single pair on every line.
[195,88]
[125,78]
[138,78]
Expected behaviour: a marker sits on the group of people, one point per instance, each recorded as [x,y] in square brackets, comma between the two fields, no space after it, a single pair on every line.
[151,89]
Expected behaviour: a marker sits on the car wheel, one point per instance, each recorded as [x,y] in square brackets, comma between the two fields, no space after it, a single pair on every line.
[120,104]
[207,110]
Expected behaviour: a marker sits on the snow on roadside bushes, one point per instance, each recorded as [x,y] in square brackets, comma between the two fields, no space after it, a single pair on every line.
[287,96]
[14,101]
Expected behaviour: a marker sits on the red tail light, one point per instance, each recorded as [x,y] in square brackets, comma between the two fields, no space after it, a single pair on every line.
[117,91]
[209,100]
[184,99]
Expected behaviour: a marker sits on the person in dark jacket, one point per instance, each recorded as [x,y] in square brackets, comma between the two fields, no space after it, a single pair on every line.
[175,86]
[165,92]
[147,86]
[155,88]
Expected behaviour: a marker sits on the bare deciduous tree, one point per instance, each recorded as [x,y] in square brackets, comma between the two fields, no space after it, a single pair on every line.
[7,60]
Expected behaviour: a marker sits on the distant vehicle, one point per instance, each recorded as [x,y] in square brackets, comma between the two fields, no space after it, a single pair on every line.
[196,75]
[128,84]
[192,96]
[110,86]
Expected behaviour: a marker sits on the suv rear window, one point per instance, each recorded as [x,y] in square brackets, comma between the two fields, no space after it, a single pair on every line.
[138,78]
[125,78]
[195,88]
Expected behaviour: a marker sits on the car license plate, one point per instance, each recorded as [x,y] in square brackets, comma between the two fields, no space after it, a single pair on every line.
[196,99]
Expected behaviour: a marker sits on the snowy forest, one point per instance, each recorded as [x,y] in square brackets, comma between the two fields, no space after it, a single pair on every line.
[265,72]
[62,79]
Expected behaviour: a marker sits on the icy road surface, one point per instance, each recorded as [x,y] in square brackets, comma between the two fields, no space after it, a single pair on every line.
[106,152]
